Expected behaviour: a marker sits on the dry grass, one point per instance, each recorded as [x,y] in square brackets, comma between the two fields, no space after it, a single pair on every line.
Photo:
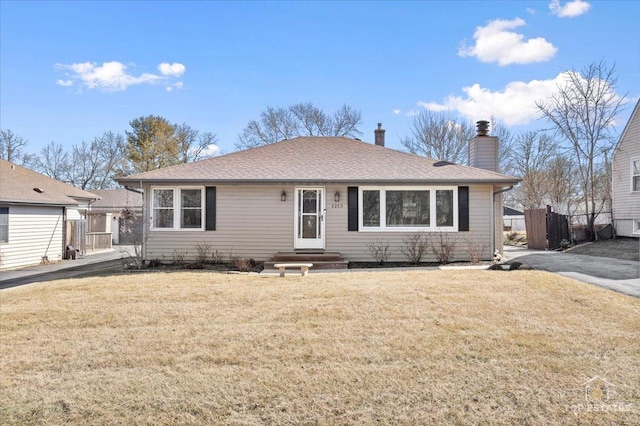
[461,347]
[620,248]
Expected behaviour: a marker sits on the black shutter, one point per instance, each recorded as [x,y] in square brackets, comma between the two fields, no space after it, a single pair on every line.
[352,204]
[463,208]
[210,208]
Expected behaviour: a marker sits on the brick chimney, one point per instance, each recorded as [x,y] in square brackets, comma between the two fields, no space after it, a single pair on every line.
[483,149]
[379,135]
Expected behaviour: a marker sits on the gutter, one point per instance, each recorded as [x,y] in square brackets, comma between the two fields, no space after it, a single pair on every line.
[348,182]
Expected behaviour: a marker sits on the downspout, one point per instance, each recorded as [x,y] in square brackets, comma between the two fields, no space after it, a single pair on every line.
[129,188]
[493,218]
[144,225]
[64,232]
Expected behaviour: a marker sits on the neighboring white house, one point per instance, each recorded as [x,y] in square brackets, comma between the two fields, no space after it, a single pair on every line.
[118,212]
[34,211]
[322,194]
[626,179]
[514,220]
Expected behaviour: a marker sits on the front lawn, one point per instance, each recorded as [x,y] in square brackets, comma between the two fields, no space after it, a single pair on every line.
[410,347]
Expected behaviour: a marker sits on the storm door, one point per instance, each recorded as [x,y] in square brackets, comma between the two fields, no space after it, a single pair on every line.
[309,219]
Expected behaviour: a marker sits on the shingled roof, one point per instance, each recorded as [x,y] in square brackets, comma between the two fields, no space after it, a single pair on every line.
[319,159]
[116,199]
[19,185]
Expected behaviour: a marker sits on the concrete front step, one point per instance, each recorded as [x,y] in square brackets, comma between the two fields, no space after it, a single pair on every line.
[317,264]
[308,256]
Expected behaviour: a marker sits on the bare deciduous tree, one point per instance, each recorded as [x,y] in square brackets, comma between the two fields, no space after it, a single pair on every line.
[561,179]
[195,145]
[12,148]
[439,136]
[506,141]
[444,137]
[93,165]
[304,119]
[534,152]
[583,112]
[87,165]
[54,162]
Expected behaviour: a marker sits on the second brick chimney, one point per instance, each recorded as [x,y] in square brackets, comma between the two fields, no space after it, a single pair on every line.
[379,135]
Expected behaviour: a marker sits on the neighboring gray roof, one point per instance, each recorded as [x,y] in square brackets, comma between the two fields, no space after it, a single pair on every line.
[17,186]
[319,159]
[116,199]
[510,211]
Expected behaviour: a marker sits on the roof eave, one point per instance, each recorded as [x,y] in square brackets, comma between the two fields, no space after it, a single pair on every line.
[137,183]
[37,204]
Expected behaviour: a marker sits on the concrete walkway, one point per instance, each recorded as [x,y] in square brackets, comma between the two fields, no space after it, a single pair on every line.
[619,275]
[93,262]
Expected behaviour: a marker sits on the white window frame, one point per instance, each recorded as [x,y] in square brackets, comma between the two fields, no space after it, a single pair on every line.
[383,209]
[636,227]
[177,208]
[7,225]
[633,160]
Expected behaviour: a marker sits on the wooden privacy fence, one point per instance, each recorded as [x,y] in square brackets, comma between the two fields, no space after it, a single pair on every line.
[98,240]
[77,235]
[545,229]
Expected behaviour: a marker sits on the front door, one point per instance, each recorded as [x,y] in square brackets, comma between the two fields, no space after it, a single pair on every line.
[309,219]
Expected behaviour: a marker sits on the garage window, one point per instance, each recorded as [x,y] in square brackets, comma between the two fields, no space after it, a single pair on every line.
[4,224]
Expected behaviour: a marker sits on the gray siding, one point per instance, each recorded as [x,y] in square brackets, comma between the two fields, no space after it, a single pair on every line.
[253,222]
[626,204]
[483,152]
[34,232]
[353,245]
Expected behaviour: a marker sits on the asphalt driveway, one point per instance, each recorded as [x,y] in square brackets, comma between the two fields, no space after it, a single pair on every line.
[619,275]
[100,262]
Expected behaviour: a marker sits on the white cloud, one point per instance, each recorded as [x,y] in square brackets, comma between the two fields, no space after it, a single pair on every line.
[432,106]
[175,69]
[569,10]
[531,11]
[515,105]
[209,151]
[179,85]
[113,76]
[396,111]
[495,43]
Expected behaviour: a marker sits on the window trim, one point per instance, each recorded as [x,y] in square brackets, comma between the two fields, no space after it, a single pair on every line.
[633,160]
[177,208]
[7,214]
[636,227]
[432,209]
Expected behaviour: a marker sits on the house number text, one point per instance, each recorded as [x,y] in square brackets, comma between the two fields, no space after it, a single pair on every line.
[337,205]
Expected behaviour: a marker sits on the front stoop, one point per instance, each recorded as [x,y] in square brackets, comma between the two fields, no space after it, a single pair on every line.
[320,260]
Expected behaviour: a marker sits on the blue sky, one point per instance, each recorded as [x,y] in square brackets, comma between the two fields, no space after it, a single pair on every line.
[69,71]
